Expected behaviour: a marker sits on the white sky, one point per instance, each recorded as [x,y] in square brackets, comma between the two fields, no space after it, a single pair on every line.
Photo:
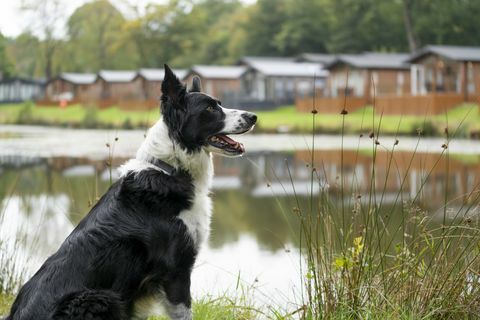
[13,21]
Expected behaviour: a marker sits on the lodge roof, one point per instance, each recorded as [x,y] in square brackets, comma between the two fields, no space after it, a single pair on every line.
[23,80]
[458,53]
[218,72]
[372,60]
[78,78]
[158,74]
[288,69]
[117,75]
[247,60]
[322,58]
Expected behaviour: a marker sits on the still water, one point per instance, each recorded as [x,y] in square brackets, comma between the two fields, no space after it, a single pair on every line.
[50,177]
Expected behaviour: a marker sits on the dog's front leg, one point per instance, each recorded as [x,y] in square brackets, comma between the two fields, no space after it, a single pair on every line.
[178,299]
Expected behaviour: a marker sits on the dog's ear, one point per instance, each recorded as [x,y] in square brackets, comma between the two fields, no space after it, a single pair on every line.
[173,91]
[196,84]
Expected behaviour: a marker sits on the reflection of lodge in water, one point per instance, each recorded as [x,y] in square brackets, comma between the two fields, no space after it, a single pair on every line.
[425,174]
[283,173]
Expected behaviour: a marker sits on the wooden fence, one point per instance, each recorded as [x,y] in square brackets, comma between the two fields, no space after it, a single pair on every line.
[418,105]
[388,104]
[105,103]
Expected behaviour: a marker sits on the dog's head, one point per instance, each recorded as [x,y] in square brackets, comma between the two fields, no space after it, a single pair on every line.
[196,120]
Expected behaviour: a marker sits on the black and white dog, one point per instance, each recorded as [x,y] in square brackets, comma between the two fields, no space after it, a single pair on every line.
[138,244]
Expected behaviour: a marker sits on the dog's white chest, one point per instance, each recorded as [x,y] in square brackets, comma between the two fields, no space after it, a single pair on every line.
[197,218]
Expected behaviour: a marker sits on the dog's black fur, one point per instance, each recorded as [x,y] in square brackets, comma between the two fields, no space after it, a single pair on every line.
[128,246]
[131,243]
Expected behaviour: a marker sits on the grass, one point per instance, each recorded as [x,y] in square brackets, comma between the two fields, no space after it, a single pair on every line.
[282,119]
[355,122]
[222,308]
[207,308]
[76,116]
[5,303]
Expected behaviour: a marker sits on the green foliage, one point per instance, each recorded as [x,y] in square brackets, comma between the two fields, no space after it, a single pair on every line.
[462,121]
[25,116]
[96,39]
[127,124]
[6,67]
[425,128]
[187,32]
[5,303]
[90,119]
[25,52]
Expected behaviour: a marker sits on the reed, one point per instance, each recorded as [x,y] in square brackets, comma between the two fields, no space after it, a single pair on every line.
[366,257]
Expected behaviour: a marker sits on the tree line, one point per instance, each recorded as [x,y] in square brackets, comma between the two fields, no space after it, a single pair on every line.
[185,32]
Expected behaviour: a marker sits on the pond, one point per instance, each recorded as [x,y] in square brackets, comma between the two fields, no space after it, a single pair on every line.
[50,178]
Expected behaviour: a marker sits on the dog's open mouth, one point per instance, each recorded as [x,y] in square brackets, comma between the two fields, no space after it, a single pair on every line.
[226,144]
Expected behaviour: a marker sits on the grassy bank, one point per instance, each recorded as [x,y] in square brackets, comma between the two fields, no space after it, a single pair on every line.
[222,308]
[283,119]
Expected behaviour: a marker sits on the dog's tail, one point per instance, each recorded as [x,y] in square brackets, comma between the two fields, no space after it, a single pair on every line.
[90,304]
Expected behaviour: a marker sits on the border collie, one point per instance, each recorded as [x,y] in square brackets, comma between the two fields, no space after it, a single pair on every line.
[138,244]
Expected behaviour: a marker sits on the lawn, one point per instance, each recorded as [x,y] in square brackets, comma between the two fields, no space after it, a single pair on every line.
[362,121]
[283,119]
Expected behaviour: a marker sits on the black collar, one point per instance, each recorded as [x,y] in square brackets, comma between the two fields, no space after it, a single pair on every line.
[170,170]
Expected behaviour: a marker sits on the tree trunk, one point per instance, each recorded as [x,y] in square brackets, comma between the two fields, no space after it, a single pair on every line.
[408,21]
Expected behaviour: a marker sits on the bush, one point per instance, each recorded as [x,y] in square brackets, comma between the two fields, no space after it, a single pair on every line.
[90,119]
[25,116]
[425,128]
[127,124]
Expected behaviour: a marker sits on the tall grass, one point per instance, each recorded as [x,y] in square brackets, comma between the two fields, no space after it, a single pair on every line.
[12,267]
[364,258]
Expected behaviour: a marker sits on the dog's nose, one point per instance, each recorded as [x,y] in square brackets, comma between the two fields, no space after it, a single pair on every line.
[250,117]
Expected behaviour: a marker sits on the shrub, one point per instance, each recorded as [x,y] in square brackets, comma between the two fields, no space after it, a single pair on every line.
[25,116]
[425,128]
[127,124]
[90,119]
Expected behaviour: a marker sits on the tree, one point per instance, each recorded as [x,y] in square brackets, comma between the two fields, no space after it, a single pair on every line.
[266,20]
[446,22]
[305,29]
[367,25]
[24,51]
[408,22]
[185,32]
[6,67]
[45,14]
[97,40]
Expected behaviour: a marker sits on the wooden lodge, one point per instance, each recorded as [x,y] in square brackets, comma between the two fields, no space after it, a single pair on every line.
[14,90]
[71,88]
[430,81]
[279,81]
[151,81]
[222,82]
[442,77]
[359,78]
[126,89]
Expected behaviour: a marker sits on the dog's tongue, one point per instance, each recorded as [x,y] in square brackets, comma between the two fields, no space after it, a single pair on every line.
[227,139]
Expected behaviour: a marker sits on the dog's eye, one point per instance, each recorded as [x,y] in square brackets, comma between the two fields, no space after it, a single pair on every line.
[210,109]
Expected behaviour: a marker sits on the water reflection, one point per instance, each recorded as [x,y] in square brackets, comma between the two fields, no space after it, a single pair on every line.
[253,227]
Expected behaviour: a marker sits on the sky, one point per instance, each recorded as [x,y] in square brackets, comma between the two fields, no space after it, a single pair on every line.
[13,21]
